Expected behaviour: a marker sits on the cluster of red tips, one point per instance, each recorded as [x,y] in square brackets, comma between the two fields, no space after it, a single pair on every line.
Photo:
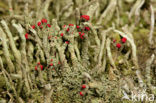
[118,45]
[51,64]
[26,35]
[81,35]
[33,26]
[41,66]
[86,17]
[124,40]
[71,24]
[81,94]
[67,42]
[77,27]
[61,34]
[49,25]
[67,29]
[64,26]
[38,63]
[114,41]
[49,37]
[35,67]
[44,20]
[83,86]
[87,28]
[59,62]
[39,23]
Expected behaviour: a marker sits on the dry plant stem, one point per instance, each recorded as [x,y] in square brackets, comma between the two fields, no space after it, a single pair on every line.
[9,81]
[109,54]
[148,69]
[46,46]
[30,52]
[38,4]
[97,40]
[103,35]
[84,6]
[48,92]
[92,10]
[15,39]
[136,7]
[73,56]
[102,46]
[140,80]
[84,51]
[108,13]
[152,26]
[137,12]
[77,50]
[62,55]
[77,16]
[64,9]
[16,53]
[10,7]
[25,67]
[37,39]
[45,9]
[6,51]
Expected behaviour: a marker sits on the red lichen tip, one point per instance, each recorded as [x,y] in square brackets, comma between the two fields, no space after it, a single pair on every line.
[79,33]
[41,27]
[38,63]
[77,27]
[82,34]
[49,37]
[124,40]
[64,26]
[49,25]
[71,24]
[86,17]
[67,42]
[59,62]
[81,94]
[51,60]
[33,26]
[67,29]
[61,34]
[41,66]
[35,67]
[87,28]
[44,20]
[118,45]
[39,23]
[114,41]
[26,35]
[83,86]
[51,64]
